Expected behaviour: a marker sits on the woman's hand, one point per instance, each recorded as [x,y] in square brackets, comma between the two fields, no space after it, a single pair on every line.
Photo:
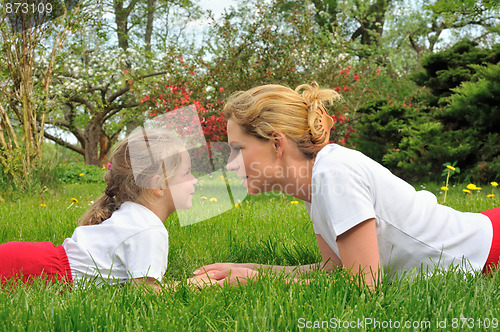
[222,266]
[227,273]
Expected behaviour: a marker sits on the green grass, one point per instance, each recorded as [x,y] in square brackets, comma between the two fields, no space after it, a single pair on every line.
[264,229]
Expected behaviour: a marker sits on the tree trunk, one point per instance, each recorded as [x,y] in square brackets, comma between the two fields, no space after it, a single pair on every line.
[121,20]
[149,24]
[92,138]
[372,23]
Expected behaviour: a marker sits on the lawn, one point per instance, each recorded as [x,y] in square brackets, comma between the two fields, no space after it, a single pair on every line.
[271,228]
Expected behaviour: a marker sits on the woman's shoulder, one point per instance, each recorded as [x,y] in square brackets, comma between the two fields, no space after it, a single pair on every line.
[337,155]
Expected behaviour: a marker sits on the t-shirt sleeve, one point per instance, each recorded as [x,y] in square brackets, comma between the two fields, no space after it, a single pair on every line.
[145,254]
[345,197]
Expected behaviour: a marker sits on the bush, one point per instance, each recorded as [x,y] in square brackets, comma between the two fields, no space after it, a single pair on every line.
[474,112]
[78,173]
[446,70]
[408,140]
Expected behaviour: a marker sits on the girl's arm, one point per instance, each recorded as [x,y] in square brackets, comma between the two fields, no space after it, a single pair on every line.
[198,281]
[358,248]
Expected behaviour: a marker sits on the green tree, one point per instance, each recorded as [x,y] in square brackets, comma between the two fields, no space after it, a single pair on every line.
[447,69]
[97,86]
[24,90]
[474,107]
[408,139]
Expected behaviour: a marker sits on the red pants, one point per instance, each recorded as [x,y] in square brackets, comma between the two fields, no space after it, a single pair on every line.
[494,256]
[28,260]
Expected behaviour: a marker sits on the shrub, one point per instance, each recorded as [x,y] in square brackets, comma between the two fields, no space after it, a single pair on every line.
[474,112]
[408,140]
[446,70]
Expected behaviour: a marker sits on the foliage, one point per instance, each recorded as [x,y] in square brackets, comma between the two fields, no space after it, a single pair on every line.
[95,96]
[23,98]
[288,47]
[408,139]
[168,98]
[447,69]
[78,173]
[474,111]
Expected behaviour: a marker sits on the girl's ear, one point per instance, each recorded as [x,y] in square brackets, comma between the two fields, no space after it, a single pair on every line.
[279,143]
[158,192]
[157,182]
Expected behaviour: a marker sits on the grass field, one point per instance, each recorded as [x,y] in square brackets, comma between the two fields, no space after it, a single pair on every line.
[265,229]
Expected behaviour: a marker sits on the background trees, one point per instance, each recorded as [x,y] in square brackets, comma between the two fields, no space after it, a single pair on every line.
[88,87]
[24,94]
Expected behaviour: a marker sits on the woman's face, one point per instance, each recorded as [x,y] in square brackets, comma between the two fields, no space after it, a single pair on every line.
[252,159]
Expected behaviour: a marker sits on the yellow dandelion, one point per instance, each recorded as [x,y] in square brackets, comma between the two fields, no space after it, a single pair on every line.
[467,191]
[450,167]
[444,188]
[479,188]
[494,184]
[42,205]
[491,195]
[471,186]
[81,174]
[104,167]
[237,206]
[213,199]
[204,197]
[74,200]
[294,202]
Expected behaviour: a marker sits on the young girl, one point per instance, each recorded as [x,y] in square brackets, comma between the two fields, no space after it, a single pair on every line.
[365,218]
[122,236]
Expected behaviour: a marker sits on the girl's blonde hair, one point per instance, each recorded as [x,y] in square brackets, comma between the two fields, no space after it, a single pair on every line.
[135,163]
[298,114]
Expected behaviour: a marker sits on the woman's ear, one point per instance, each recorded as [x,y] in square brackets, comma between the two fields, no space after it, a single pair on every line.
[279,143]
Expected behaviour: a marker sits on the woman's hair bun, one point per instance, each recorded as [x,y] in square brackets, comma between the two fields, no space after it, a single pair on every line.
[320,123]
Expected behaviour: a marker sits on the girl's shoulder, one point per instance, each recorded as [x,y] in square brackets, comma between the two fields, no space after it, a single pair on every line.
[131,213]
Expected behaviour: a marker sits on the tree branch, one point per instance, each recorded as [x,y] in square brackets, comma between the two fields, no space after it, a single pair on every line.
[82,101]
[129,83]
[62,142]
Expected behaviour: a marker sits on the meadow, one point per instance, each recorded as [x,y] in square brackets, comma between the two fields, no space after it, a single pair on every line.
[270,229]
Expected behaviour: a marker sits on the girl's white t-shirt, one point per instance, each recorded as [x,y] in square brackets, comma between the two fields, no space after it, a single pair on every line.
[132,243]
[413,230]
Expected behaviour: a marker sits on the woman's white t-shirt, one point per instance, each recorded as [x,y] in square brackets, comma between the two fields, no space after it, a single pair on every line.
[132,243]
[413,230]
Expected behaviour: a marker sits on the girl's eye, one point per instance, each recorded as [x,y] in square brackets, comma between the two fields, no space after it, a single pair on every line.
[236,148]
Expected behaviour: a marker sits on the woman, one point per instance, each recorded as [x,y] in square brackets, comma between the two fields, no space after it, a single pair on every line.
[365,218]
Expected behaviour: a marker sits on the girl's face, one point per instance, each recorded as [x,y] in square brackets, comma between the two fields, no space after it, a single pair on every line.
[182,184]
[252,159]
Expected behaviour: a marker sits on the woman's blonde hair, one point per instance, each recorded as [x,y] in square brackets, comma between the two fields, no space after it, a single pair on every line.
[135,163]
[299,114]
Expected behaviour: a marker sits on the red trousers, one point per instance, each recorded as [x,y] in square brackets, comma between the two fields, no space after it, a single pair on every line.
[494,256]
[28,260]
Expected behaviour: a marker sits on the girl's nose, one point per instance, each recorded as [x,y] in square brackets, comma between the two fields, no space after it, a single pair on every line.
[232,165]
